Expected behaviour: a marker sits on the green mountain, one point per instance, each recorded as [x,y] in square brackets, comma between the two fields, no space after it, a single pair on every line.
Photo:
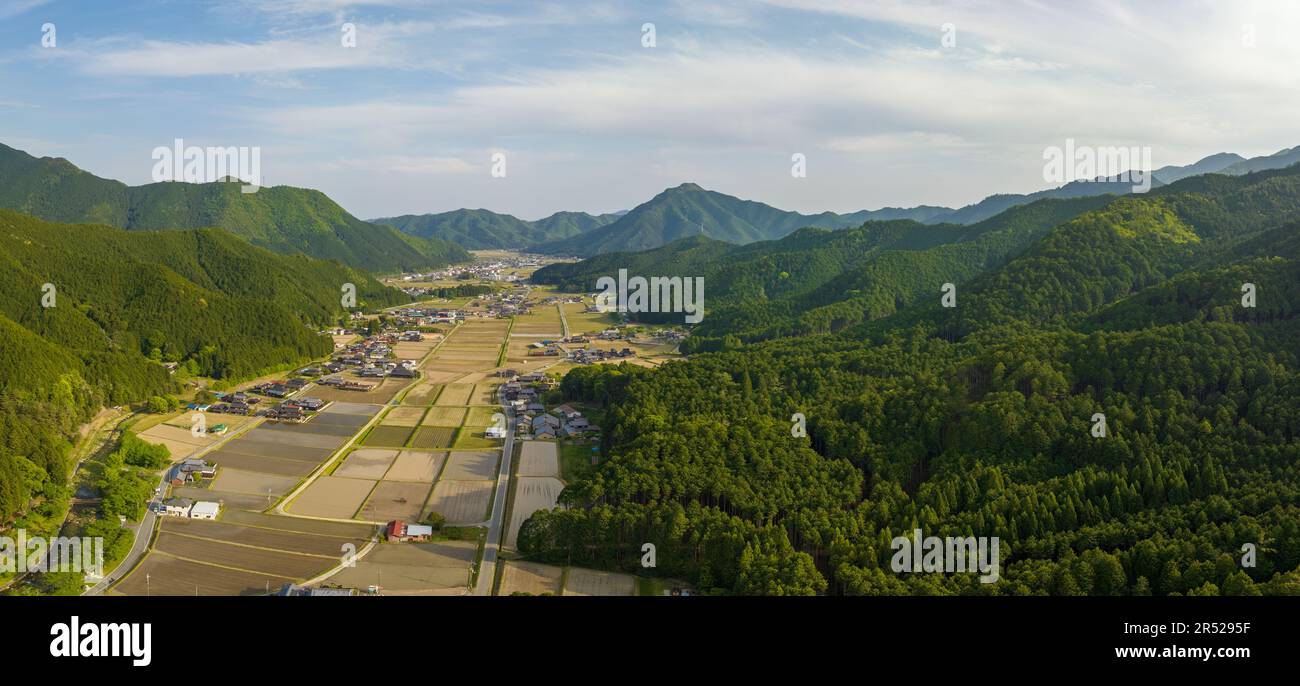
[124,302]
[689,210]
[485,230]
[281,218]
[817,280]
[979,420]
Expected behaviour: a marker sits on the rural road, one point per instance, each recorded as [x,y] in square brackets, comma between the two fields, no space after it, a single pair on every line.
[496,525]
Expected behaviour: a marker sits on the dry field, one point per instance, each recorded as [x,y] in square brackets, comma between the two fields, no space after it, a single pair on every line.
[455,394]
[164,575]
[306,526]
[180,443]
[332,496]
[529,577]
[416,466]
[394,436]
[484,394]
[590,582]
[539,458]
[428,437]
[395,500]
[244,558]
[471,465]
[366,463]
[272,539]
[238,481]
[229,500]
[412,568]
[532,493]
[403,416]
[422,394]
[481,416]
[462,502]
[244,553]
[445,416]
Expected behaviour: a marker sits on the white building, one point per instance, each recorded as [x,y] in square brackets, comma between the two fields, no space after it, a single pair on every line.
[205,509]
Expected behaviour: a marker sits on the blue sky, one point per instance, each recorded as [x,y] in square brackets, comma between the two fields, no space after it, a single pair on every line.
[590,119]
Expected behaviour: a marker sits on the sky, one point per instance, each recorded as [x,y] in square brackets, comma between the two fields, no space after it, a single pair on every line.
[591,115]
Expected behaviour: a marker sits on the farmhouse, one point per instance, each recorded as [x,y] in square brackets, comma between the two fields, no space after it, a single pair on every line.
[177,507]
[205,509]
[398,531]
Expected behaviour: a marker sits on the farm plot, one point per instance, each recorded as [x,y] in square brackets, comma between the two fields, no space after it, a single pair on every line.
[412,568]
[461,502]
[421,395]
[586,322]
[445,416]
[480,416]
[355,409]
[403,416]
[415,466]
[180,442]
[332,496]
[471,465]
[427,437]
[484,394]
[165,575]
[455,394]
[394,436]
[229,500]
[305,526]
[272,539]
[437,377]
[270,465]
[244,558]
[539,458]
[591,582]
[240,481]
[366,463]
[532,493]
[380,394]
[395,500]
[530,578]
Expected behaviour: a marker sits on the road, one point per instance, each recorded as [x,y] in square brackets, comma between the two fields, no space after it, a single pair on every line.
[496,524]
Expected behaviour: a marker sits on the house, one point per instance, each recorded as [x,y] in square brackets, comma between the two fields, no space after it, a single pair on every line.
[545,431]
[219,429]
[547,420]
[177,507]
[197,466]
[402,373]
[205,509]
[398,531]
[312,404]
[566,410]
[277,390]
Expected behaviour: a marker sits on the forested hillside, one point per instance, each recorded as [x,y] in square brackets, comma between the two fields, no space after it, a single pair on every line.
[815,280]
[280,218]
[125,302]
[980,420]
[485,230]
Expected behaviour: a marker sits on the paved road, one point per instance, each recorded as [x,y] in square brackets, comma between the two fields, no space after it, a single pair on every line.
[496,525]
